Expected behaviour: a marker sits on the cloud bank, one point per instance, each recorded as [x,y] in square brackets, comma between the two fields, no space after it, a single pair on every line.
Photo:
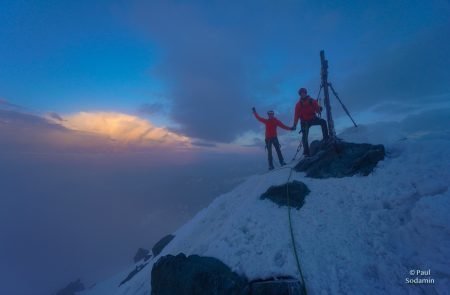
[122,128]
[78,200]
[411,72]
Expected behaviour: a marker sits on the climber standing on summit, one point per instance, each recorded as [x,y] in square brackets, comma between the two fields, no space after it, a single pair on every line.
[306,110]
[271,135]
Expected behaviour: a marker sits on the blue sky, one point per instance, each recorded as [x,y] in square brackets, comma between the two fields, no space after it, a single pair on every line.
[111,112]
[69,57]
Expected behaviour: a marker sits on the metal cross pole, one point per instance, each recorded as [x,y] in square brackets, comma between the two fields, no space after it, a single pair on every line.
[342,104]
[324,76]
[318,99]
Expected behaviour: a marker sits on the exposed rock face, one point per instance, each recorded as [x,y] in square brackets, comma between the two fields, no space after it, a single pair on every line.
[72,288]
[135,271]
[341,159]
[159,246]
[142,254]
[195,275]
[278,194]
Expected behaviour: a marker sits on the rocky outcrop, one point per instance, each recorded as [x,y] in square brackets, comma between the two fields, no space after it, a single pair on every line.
[159,246]
[195,275]
[341,159]
[142,254]
[278,194]
[134,272]
[72,288]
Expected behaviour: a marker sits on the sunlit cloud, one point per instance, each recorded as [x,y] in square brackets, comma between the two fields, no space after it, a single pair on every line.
[122,128]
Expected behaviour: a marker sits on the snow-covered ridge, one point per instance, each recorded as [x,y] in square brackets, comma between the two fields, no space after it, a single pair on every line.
[355,235]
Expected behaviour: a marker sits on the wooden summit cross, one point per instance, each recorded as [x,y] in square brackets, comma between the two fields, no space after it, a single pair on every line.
[325,84]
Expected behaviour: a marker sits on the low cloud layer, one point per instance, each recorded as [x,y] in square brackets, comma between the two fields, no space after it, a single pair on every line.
[121,128]
[23,132]
[84,132]
[76,203]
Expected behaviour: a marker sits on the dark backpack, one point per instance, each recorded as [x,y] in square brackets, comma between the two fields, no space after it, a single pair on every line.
[310,100]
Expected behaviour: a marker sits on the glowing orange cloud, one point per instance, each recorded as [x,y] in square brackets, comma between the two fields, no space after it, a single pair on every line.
[122,128]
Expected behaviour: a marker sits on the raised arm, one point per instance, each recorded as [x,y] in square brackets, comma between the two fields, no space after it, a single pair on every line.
[262,120]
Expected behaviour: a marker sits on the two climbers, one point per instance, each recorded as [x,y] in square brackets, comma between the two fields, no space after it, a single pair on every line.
[306,111]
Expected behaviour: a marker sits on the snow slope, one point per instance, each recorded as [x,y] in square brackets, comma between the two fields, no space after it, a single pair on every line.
[355,235]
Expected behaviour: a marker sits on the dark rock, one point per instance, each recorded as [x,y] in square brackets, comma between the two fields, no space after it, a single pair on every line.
[159,246]
[341,159]
[195,275]
[315,147]
[142,254]
[133,273]
[71,288]
[278,194]
[277,286]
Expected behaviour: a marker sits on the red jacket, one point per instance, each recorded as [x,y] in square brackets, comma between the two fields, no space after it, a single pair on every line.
[306,109]
[271,125]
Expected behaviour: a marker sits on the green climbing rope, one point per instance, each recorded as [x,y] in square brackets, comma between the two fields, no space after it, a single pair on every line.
[292,231]
[292,234]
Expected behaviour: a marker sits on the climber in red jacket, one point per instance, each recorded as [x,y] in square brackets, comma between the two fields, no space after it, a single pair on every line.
[306,110]
[271,135]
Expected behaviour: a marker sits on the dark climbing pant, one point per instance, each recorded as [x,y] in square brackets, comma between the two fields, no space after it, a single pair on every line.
[273,141]
[305,131]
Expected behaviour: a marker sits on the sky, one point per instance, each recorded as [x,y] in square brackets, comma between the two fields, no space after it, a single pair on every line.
[113,111]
